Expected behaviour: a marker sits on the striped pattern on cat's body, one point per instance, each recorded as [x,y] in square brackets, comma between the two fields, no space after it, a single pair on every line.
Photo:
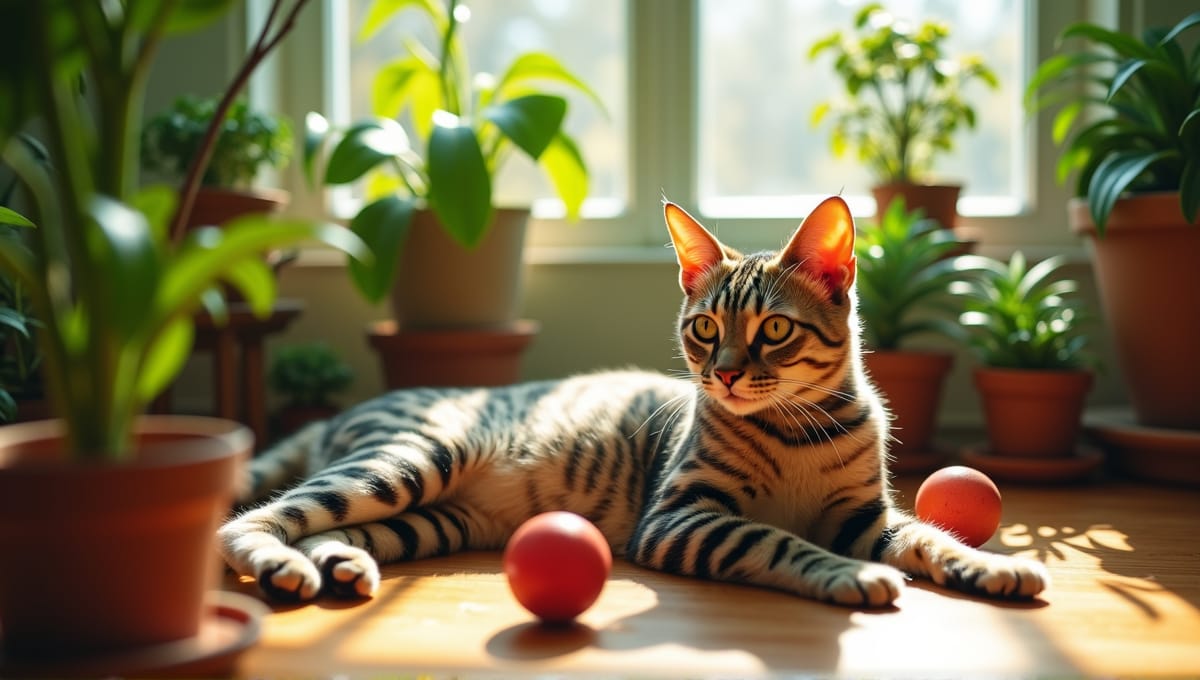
[766,466]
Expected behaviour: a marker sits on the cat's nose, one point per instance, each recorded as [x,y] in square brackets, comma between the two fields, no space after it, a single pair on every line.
[728,377]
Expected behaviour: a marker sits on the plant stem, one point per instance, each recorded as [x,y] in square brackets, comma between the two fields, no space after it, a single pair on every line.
[263,45]
[446,67]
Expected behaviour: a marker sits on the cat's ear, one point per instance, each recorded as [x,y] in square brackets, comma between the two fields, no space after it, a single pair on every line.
[823,247]
[695,248]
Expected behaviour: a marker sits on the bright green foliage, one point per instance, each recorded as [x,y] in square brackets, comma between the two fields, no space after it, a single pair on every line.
[249,140]
[904,97]
[1132,112]
[308,374]
[906,264]
[116,297]
[1027,318]
[466,125]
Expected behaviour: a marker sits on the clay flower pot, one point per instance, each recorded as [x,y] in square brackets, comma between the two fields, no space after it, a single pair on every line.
[1033,413]
[1149,281]
[911,385]
[100,558]
[939,201]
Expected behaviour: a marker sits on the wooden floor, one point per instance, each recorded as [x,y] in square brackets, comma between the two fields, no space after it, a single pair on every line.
[1125,600]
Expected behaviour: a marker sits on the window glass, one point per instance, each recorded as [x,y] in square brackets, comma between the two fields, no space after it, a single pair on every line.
[757,90]
[587,36]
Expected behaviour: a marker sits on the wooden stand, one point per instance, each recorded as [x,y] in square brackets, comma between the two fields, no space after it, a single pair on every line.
[440,358]
[240,397]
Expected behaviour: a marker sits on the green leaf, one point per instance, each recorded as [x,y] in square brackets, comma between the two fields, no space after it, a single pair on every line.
[406,81]
[366,145]
[206,256]
[122,248]
[10,216]
[8,407]
[531,122]
[564,165]
[157,203]
[1121,43]
[15,320]
[1183,25]
[383,225]
[382,11]
[1112,177]
[256,282]
[165,358]
[193,15]
[460,187]
[533,66]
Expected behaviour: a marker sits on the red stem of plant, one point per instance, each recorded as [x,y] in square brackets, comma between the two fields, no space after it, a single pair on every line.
[262,47]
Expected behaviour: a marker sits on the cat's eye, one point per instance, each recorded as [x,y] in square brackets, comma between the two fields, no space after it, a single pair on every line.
[777,328]
[705,328]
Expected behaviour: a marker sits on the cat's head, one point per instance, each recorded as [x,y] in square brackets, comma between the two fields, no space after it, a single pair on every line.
[774,328]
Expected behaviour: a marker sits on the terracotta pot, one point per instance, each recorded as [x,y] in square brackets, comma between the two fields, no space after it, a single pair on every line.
[911,385]
[216,206]
[452,357]
[101,558]
[439,284]
[1033,413]
[939,201]
[1149,281]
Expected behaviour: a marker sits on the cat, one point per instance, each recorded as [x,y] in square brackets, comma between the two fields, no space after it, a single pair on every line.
[764,465]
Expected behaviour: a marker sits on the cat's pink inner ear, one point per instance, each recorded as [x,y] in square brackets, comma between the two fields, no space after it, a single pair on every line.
[695,248]
[823,246]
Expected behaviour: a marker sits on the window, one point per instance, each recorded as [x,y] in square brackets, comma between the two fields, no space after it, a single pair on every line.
[757,89]
[709,103]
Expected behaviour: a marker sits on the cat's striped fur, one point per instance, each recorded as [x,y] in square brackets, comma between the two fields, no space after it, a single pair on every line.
[766,466]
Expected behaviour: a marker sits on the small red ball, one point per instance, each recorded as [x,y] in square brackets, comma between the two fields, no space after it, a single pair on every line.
[557,563]
[961,500]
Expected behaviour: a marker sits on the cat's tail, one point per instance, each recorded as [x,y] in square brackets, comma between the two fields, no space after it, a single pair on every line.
[280,466]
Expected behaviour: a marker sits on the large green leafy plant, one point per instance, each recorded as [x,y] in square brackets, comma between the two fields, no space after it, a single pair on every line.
[466,124]
[1147,136]
[904,96]
[115,294]
[1017,316]
[906,264]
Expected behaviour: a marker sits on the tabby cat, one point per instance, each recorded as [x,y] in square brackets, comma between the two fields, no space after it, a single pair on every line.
[766,466]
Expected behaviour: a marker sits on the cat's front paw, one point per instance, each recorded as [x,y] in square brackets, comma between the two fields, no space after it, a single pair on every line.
[864,584]
[348,571]
[285,575]
[993,575]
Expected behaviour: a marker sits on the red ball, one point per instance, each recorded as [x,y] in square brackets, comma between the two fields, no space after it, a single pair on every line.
[961,500]
[557,564]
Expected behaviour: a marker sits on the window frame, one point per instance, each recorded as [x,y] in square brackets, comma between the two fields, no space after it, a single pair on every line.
[662,75]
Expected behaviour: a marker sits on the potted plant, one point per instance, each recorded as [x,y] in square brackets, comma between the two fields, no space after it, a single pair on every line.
[429,200]
[904,102]
[307,376]
[107,516]
[21,394]
[906,263]
[1027,329]
[454,280]
[249,141]
[1136,159]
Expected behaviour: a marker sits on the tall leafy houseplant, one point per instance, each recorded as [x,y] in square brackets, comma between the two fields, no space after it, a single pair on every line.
[904,99]
[116,297]
[906,264]
[1129,122]
[466,125]
[1146,137]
